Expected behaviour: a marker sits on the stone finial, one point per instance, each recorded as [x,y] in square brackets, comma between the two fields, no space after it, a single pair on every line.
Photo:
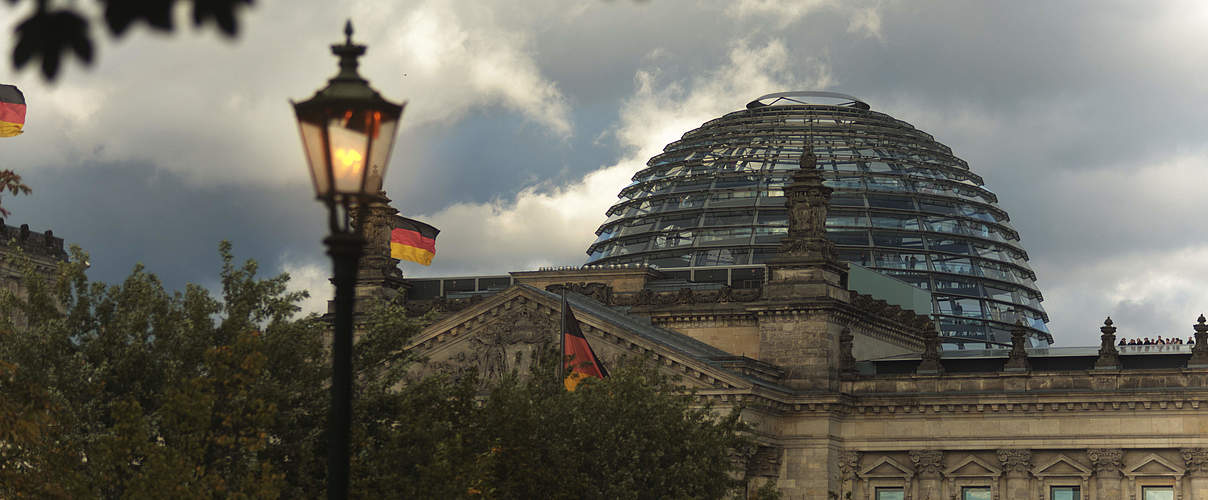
[930,364]
[1199,352]
[1109,356]
[808,202]
[847,361]
[1018,360]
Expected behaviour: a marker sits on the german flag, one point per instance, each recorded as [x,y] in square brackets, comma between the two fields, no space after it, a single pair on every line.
[579,361]
[12,110]
[412,240]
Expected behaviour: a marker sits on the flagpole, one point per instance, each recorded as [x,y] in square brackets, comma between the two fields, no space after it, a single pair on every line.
[562,339]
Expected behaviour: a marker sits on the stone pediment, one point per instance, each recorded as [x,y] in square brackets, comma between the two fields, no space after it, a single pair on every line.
[886,468]
[972,466]
[1154,465]
[1062,466]
[511,330]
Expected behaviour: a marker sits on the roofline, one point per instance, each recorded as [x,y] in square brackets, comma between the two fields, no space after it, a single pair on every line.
[855,101]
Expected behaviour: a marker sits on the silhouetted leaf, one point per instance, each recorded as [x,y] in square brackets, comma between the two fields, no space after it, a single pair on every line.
[222,12]
[120,14]
[46,35]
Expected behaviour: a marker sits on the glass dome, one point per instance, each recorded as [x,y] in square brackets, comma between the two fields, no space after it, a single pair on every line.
[903,205]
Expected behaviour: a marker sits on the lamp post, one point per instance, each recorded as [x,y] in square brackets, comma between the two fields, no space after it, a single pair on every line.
[347,132]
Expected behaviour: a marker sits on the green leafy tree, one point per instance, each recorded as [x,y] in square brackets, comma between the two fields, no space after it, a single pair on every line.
[131,391]
[634,435]
[146,393]
[11,182]
[52,31]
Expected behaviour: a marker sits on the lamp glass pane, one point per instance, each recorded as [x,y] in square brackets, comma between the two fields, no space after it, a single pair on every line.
[349,148]
[379,156]
[312,142]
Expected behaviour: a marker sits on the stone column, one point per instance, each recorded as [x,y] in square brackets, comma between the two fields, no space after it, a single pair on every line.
[1107,463]
[928,464]
[1017,467]
[1196,460]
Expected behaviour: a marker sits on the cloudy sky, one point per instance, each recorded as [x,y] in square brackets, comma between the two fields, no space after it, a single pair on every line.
[526,118]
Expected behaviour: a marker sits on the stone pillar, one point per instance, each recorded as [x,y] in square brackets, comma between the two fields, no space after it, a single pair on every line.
[378,276]
[1199,352]
[811,471]
[799,328]
[930,363]
[1196,460]
[802,341]
[1109,356]
[1017,468]
[928,464]
[1107,463]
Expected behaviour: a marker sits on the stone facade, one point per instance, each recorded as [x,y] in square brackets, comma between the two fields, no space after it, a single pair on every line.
[848,396]
[43,250]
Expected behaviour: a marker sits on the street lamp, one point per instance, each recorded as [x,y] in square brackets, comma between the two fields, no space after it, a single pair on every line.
[347,132]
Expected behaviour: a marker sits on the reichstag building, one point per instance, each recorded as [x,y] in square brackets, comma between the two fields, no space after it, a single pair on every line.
[865,305]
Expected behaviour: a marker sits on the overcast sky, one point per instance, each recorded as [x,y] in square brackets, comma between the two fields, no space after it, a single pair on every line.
[526,118]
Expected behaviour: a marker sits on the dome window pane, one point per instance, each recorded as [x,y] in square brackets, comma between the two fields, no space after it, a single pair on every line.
[898,202]
[838,218]
[894,221]
[898,240]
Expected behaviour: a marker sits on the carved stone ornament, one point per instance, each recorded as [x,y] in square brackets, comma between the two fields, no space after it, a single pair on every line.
[765,462]
[600,292]
[684,296]
[849,464]
[1016,461]
[441,305]
[1106,459]
[1196,460]
[511,342]
[808,201]
[927,461]
[1109,356]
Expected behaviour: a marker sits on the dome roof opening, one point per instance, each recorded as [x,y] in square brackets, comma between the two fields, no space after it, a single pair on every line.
[903,205]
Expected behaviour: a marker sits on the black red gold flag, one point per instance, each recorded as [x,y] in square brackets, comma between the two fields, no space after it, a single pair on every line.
[579,359]
[12,110]
[412,240]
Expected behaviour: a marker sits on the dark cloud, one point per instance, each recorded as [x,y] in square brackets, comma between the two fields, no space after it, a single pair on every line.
[1084,117]
[128,214]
